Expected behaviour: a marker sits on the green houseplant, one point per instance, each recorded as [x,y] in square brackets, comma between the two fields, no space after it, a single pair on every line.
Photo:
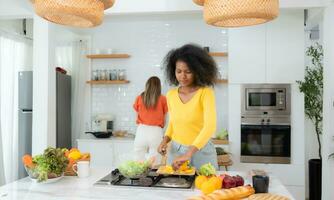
[312,87]
[222,155]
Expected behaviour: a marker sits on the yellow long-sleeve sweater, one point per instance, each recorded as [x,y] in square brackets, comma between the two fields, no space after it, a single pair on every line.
[193,122]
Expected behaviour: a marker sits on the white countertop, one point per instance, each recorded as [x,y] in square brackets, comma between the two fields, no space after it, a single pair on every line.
[74,188]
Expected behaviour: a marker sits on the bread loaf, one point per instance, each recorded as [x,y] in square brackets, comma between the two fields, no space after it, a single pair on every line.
[267,197]
[227,194]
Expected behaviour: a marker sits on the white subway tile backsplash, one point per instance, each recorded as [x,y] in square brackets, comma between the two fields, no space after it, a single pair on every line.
[148,40]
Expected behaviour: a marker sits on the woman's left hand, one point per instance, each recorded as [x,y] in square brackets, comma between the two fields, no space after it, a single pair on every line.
[178,161]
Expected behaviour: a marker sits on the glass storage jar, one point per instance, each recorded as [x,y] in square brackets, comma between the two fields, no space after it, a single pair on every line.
[121,74]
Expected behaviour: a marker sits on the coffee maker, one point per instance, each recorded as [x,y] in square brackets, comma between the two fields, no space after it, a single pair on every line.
[103,123]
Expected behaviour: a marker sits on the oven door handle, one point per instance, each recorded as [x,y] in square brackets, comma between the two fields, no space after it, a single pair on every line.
[266,124]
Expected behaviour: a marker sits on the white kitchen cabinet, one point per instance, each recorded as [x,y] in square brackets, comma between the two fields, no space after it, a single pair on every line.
[247,60]
[107,152]
[123,151]
[101,151]
[285,48]
[268,53]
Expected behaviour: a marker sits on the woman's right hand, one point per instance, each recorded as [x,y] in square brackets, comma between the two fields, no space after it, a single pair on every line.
[162,149]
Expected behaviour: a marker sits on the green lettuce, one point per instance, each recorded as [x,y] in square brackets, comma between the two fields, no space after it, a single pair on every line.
[207,170]
[52,162]
[133,168]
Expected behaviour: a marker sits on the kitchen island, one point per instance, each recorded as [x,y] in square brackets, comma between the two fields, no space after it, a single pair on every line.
[74,188]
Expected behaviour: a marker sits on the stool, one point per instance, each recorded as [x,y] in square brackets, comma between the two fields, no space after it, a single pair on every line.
[225,164]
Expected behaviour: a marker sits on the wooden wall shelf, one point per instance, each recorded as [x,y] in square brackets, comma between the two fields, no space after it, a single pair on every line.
[218,141]
[222,81]
[218,54]
[101,56]
[108,82]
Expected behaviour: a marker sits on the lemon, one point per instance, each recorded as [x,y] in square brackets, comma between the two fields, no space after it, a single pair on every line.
[74,155]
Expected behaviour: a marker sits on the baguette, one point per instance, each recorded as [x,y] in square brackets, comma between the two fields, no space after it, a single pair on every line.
[267,197]
[227,194]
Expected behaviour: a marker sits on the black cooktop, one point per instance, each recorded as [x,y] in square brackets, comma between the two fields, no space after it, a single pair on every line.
[151,180]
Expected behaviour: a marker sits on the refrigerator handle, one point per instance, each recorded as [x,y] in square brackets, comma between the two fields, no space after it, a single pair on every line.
[26,111]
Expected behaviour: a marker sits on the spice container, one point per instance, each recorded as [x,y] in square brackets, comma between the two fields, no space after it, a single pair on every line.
[102,75]
[121,74]
[113,75]
[95,75]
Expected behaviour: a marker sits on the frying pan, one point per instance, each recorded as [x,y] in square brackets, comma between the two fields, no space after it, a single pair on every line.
[100,134]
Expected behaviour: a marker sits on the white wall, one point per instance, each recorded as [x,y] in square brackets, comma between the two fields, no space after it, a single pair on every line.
[16,26]
[14,9]
[147,39]
[291,23]
[43,131]
[328,106]
[311,142]
[47,37]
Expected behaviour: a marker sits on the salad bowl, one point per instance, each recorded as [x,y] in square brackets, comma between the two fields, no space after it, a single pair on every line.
[134,169]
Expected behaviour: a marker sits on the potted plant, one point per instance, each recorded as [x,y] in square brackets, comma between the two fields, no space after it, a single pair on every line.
[312,87]
[222,155]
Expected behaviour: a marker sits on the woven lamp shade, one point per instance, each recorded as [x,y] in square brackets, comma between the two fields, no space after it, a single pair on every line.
[77,13]
[236,13]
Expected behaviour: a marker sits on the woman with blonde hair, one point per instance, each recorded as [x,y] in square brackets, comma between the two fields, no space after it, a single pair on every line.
[151,108]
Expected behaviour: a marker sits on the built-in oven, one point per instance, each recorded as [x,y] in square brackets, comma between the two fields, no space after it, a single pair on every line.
[265,123]
[272,99]
[265,142]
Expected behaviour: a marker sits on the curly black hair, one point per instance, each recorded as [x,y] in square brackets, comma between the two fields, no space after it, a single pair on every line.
[200,63]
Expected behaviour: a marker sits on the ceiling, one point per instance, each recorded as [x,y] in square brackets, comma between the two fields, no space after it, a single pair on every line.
[23,8]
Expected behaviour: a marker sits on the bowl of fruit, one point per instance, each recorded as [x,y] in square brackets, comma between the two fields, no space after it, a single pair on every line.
[47,167]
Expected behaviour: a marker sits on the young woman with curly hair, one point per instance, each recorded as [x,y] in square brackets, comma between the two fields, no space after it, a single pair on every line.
[191,106]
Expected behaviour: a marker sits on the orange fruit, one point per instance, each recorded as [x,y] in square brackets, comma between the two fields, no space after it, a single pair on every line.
[208,187]
[184,166]
[216,181]
[27,161]
[200,180]
[74,155]
[74,149]
[66,153]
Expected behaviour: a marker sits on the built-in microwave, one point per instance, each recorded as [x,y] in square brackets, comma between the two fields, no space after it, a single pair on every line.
[268,99]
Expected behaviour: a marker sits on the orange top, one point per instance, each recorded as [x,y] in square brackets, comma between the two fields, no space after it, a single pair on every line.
[151,116]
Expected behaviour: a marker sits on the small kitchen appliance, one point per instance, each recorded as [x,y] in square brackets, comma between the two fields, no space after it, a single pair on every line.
[103,123]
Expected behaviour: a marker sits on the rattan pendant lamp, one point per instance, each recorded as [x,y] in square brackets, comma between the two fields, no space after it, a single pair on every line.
[237,13]
[77,13]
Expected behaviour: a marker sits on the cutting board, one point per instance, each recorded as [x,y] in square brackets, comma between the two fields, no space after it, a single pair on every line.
[165,170]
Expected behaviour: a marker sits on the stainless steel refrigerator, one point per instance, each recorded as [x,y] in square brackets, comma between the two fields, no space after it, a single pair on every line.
[25,100]
[63,109]
[63,114]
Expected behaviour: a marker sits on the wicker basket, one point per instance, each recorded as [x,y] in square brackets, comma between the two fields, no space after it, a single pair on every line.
[78,13]
[199,2]
[223,158]
[236,13]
